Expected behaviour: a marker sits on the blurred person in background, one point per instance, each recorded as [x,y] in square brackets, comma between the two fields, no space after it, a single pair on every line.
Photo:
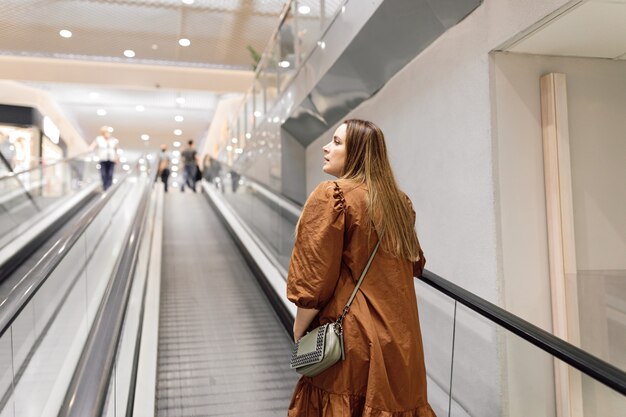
[164,165]
[190,165]
[106,149]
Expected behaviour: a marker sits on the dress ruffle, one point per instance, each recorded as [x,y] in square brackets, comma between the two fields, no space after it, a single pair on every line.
[310,401]
[340,200]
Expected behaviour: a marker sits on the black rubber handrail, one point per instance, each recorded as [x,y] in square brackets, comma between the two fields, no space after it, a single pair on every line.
[27,287]
[89,386]
[583,361]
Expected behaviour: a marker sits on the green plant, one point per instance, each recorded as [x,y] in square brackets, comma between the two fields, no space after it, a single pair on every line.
[256,56]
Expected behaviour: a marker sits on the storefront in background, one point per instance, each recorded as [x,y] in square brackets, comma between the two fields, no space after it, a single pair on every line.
[27,139]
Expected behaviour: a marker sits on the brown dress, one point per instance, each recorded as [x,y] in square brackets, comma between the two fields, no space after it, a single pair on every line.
[383,374]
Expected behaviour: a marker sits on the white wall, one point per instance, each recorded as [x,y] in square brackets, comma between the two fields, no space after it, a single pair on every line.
[596,91]
[16,94]
[596,95]
[217,137]
[438,117]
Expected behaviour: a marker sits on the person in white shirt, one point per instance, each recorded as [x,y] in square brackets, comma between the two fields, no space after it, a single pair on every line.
[105,146]
[164,165]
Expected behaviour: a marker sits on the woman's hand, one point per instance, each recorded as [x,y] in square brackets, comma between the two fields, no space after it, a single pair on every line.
[304,317]
[296,335]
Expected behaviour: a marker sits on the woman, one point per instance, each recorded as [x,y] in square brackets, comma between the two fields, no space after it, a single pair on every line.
[383,373]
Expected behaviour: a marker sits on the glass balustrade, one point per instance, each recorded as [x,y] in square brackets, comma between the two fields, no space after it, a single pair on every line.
[28,196]
[297,36]
[41,347]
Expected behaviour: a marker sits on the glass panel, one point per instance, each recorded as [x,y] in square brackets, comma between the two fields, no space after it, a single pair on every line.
[45,341]
[59,307]
[600,400]
[6,376]
[288,59]
[309,26]
[498,373]
[28,196]
[329,9]
[484,385]
[259,103]
[602,313]
[16,206]
[249,118]
[437,323]
[268,77]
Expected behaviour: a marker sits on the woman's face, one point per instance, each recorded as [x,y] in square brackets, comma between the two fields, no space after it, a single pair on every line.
[335,152]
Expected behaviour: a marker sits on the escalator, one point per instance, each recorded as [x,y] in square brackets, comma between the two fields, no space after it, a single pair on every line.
[51,303]
[222,348]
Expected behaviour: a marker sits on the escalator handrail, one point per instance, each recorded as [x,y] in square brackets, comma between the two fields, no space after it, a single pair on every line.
[583,361]
[25,289]
[14,174]
[89,386]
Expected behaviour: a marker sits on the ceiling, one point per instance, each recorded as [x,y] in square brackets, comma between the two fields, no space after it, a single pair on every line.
[219,31]
[592,28]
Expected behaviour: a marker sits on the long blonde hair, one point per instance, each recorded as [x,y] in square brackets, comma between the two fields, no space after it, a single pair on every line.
[367,161]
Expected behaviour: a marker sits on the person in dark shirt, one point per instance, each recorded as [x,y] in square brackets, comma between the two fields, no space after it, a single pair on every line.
[190,165]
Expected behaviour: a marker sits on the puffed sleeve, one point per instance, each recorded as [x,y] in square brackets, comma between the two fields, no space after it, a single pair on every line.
[316,258]
[418,265]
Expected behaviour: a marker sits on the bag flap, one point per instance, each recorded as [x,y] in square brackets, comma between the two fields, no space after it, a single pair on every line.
[310,348]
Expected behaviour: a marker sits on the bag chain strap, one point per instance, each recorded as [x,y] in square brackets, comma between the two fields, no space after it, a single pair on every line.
[338,327]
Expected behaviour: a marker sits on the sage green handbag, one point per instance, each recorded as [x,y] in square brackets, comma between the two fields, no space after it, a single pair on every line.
[321,348]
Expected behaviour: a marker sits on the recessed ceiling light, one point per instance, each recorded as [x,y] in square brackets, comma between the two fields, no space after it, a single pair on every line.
[65,33]
[139,107]
[129,53]
[229,148]
[178,132]
[93,95]
[179,118]
[234,140]
[176,145]
[258,114]
[284,64]
[188,1]
[304,9]
[184,42]
[248,135]
[145,137]
[180,100]
[101,112]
